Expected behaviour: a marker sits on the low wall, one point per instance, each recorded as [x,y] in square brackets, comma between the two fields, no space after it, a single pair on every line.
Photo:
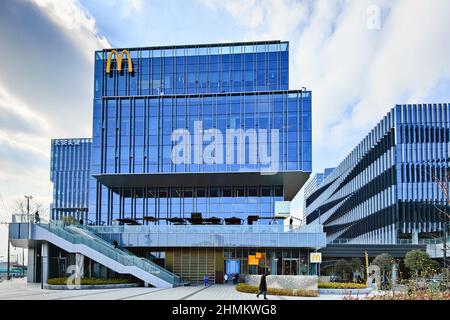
[324,279]
[345,291]
[285,282]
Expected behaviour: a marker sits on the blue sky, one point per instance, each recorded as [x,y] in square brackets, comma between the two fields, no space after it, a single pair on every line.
[358,57]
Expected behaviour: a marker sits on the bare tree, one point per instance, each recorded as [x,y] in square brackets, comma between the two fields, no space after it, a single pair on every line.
[444,214]
[444,186]
[20,207]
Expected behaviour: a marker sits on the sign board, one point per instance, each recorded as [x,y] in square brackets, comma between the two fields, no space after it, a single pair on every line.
[67,142]
[119,58]
[282,209]
[315,257]
[260,255]
[253,260]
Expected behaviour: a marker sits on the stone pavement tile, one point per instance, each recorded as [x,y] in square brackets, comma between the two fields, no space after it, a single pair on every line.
[110,294]
[60,294]
[167,294]
[18,289]
[225,292]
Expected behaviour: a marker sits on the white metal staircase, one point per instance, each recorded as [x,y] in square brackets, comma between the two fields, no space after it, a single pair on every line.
[78,239]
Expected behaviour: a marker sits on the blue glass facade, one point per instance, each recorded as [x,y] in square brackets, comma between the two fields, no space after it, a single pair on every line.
[388,189]
[70,173]
[313,183]
[234,67]
[239,86]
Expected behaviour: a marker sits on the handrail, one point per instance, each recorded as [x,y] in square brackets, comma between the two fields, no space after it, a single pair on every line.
[399,241]
[97,243]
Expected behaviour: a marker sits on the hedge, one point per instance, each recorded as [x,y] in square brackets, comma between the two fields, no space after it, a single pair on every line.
[243,287]
[341,285]
[88,281]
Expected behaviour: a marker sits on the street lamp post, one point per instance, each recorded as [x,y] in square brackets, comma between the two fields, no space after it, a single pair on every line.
[23,262]
[28,215]
[301,220]
[8,262]
[445,244]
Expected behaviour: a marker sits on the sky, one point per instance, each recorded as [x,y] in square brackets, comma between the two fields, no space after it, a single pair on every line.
[358,57]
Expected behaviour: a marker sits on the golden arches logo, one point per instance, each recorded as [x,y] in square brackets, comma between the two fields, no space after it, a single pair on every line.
[119,58]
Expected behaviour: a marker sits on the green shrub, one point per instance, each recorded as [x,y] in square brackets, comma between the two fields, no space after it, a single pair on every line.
[87,281]
[341,285]
[244,287]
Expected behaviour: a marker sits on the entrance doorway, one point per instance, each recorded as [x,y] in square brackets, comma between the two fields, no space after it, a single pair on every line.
[290,266]
[232,266]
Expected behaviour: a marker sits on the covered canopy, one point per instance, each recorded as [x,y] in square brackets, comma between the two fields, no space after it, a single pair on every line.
[213,220]
[149,219]
[128,221]
[233,220]
[195,220]
[176,220]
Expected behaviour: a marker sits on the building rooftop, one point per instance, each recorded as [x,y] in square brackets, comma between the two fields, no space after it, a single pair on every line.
[284,47]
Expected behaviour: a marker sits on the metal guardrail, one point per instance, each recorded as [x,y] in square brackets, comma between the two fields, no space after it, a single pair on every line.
[123,257]
[207,229]
[399,241]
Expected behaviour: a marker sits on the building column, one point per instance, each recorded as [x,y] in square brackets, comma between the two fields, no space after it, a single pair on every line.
[394,234]
[415,236]
[79,262]
[31,268]
[273,263]
[45,262]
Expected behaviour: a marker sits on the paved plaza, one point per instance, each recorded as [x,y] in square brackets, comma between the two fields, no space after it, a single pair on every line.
[19,289]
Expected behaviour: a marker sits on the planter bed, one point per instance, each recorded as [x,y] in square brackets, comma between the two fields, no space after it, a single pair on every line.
[92,286]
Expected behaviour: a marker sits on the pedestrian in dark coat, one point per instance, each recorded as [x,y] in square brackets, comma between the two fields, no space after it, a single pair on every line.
[263,286]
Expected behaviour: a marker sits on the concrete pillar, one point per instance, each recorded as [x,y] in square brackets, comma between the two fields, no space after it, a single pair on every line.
[415,236]
[79,262]
[31,268]
[273,263]
[45,262]
[394,276]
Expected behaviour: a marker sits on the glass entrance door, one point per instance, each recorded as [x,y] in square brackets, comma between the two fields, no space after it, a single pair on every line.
[232,267]
[290,266]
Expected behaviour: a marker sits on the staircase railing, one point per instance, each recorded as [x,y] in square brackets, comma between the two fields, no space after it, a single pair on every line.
[124,257]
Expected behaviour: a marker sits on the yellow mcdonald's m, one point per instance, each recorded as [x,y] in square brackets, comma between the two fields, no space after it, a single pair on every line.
[119,58]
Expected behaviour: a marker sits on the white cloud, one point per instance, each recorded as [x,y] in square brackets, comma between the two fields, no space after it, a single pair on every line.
[76,22]
[356,74]
[131,7]
[45,91]
[127,8]
[274,16]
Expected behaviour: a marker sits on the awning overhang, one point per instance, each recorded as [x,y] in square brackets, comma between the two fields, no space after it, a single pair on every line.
[292,181]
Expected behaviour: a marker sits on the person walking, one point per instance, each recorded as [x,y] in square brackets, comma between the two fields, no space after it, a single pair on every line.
[263,286]
[37,219]
[206,280]
[225,278]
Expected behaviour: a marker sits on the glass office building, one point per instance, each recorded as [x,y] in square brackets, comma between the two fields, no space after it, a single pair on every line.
[193,147]
[210,93]
[70,173]
[241,87]
[314,183]
[389,189]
